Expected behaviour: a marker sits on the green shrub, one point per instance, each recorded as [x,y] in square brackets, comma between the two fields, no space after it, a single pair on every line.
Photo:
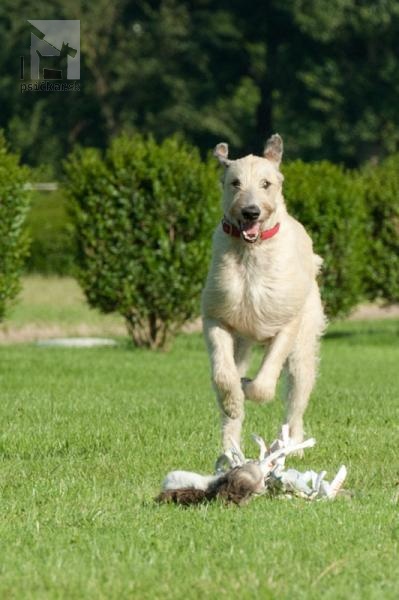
[14,205]
[329,202]
[382,204]
[144,216]
[52,249]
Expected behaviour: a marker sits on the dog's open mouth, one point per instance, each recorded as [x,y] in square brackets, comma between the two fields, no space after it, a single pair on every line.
[250,230]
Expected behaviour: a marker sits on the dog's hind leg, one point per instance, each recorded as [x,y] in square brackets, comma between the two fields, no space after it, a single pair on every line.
[300,376]
[226,380]
[301,370]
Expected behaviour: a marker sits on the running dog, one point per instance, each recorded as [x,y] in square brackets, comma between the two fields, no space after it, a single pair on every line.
[261,288]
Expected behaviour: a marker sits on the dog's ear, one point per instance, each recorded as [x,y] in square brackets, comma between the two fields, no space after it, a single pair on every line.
[274,149]
[221,152]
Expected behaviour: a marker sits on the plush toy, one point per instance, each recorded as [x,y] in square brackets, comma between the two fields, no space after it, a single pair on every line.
[237,479]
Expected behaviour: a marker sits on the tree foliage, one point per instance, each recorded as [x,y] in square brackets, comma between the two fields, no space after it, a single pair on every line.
[324,73]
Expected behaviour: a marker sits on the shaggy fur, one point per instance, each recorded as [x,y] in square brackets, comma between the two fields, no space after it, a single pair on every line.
[237,486]
[262,292]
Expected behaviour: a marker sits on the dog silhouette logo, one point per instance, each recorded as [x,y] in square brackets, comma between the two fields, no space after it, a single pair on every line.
[55,49]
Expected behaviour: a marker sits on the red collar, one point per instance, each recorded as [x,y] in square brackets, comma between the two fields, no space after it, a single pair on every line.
[231,229]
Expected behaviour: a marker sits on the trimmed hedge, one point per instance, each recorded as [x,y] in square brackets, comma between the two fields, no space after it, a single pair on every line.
[381,185]
[144,215]
[329,202]
[14,205]
[52,249]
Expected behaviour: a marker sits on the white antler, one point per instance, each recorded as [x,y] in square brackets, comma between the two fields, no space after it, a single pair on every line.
[337,482]
[259,441]
[267,464]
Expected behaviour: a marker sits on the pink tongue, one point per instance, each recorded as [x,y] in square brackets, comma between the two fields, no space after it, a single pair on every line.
[252,229]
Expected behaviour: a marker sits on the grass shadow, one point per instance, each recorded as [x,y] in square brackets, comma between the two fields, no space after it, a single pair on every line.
[367,332]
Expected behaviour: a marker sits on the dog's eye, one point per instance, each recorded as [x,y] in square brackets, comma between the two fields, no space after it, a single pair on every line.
[265,184]
[236,183]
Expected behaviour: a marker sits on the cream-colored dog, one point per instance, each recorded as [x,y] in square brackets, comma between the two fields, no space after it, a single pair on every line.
[261,288]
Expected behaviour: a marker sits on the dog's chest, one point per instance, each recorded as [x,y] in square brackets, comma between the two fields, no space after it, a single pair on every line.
[255,295]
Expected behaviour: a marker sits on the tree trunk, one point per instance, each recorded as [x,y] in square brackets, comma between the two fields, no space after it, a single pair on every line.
[151,333]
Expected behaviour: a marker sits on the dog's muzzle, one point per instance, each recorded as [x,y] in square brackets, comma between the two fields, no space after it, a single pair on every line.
[249,231]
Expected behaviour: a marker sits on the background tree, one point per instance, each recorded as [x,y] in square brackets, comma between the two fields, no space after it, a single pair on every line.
[324,73]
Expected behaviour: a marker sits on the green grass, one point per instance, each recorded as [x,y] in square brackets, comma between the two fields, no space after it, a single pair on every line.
[54,305]
[87,436]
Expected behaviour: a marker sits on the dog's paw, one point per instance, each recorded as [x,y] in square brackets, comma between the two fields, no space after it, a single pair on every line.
[298,454]
[257,392]
[297,437]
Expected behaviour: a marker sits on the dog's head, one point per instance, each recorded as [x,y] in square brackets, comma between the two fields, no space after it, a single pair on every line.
[252,187]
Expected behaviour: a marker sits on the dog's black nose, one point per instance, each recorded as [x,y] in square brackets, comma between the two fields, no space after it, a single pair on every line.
[250,213]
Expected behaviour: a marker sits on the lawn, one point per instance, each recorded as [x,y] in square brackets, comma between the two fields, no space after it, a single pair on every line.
[88,434]
[52,307]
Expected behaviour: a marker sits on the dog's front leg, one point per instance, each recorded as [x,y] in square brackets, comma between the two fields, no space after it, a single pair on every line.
[226,380]
[263,387]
